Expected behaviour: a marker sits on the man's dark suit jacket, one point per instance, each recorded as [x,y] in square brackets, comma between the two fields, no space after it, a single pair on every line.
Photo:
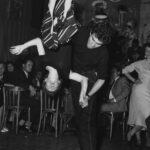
[22,80]
[120,91]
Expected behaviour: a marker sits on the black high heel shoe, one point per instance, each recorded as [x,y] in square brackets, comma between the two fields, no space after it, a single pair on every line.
[130,139]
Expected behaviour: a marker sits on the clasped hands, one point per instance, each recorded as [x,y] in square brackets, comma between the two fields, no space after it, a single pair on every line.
[83,101]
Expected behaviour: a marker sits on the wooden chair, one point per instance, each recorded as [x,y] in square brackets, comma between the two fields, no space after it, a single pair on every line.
[49,104]
[67,112]
[12,103]
[111,115]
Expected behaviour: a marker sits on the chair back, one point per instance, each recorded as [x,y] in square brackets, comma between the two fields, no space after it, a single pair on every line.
[49,102]
[12,102]
[11,97]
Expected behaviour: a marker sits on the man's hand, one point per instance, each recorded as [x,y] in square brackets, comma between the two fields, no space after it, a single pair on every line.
[112,100]
[16,49]
[83,100]
[32,90]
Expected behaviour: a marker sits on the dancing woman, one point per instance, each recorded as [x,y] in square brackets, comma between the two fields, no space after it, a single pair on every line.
[139,107]
[57,66]
[59,25]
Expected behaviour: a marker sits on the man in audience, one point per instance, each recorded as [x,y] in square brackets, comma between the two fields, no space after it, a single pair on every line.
[117,92]
[27,99]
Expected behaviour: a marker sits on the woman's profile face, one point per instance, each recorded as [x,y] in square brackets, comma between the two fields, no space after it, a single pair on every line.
[147,52]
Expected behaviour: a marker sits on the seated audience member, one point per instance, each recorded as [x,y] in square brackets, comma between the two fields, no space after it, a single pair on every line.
[118,90]
[37,79]
[10,73]
[27,99]
[37,82]
[2,81]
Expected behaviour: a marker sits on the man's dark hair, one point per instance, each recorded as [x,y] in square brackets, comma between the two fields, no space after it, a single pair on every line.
[2,62]
[25,60]
[10,62]
[117,67]
[135,41]
[146,45]
[103,31]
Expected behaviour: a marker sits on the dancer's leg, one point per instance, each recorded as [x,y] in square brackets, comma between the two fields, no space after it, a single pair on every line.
[133,131]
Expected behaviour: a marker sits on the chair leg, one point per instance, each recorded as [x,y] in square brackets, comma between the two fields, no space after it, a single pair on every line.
[56,125]
[111,125]
[17,121]
[29,117]
[123,125]
[3,118]
[39,126]
[44,121]
[61,124]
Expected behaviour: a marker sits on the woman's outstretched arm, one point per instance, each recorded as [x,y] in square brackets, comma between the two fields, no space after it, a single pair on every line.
[18,49]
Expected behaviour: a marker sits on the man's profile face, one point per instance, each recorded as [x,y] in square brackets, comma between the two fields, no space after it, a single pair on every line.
[28,66]
[93,42]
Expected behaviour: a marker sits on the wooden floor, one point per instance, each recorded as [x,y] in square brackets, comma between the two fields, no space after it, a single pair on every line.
[47,141]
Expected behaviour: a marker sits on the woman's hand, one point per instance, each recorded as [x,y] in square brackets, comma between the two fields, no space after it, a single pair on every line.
[18,49]
[83,101]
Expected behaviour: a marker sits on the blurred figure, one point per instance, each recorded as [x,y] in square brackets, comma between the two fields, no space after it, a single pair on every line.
[2,81]
[37,79]
[10,73]
[139,107]
[134,52]
[37,82]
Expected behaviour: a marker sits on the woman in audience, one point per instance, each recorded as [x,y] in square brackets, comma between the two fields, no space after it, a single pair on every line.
[10,73]
[139,107]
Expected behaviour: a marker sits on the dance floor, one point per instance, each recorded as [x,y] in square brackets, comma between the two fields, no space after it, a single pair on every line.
[47,141]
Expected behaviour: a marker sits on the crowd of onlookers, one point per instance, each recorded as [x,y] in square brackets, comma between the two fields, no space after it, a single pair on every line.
[29,80]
